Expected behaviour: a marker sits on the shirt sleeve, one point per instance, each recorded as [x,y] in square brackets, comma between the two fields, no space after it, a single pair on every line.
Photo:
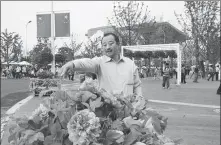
[137,83]
[87,65]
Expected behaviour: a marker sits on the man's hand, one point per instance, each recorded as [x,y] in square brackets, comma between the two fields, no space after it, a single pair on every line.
[65,68]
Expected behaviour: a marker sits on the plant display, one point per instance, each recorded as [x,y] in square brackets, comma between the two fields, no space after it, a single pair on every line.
[43,87]
[93,116]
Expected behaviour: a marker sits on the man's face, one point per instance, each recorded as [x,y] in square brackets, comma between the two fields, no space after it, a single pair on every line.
[110,47]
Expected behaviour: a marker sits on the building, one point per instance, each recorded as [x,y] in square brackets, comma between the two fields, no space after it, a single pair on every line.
[155,33]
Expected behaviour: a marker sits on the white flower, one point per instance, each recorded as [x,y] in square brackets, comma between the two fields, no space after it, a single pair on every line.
[83,127]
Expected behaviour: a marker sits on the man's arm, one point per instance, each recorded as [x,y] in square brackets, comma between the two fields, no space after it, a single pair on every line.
[86,64]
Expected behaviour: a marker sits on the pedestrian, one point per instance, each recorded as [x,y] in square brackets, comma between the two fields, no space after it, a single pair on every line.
[196,71]
[218,92]
[35,70]
[191,71]
[183,74]
[166,77]
[156,74]
[18,70]
[211,72]
[217,72]
[114,72]
[24,71]
[175,71]
[71,74]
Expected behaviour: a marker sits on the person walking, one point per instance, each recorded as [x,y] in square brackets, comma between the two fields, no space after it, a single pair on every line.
[166,77]
[196,71]
[183,74]
[217,72]
[114,72]
[218,92]
[211,72]
[18,70]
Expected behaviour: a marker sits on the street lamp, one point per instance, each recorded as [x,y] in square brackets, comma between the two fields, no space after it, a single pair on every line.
[26,39]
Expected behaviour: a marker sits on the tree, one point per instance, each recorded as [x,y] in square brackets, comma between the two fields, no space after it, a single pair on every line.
[59,58]
[11,44]
[67,53]
[41,53]
[128,18]
[201,22]
[92,48]
[69,50]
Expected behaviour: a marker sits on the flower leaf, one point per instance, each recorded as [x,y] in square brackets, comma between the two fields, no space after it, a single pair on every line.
[55,127]
[114,135]
[95,104]
[129,121]
[48,140]
[133,135]
[117,124]
[36,137]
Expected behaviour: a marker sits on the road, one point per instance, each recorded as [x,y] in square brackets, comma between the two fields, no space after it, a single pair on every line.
[195,125]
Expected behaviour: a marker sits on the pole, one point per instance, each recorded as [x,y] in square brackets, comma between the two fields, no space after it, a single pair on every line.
[52,38]
[26,43]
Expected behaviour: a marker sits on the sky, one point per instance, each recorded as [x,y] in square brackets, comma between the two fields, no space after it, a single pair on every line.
[84,15]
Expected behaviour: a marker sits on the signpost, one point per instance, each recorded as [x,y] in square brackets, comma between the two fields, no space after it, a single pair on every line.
[53,24]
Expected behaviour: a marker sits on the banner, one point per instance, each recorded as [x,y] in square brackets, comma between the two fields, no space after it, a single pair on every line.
[44,25]
[62,24]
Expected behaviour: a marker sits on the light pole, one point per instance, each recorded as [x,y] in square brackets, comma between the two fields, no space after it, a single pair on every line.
[26,38]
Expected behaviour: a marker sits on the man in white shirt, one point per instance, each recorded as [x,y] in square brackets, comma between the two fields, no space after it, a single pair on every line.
[114,72]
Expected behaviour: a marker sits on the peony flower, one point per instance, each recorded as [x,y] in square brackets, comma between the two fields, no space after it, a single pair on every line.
[41,111]
[83,127]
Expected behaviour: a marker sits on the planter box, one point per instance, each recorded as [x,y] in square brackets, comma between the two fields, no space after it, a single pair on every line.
[39,85]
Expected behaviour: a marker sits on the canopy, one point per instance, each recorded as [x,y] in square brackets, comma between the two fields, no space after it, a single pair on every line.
[25,63]
[159,47]
[11,63]
[50,64]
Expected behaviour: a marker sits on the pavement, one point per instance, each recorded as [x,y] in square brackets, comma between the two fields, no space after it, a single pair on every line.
[190,121]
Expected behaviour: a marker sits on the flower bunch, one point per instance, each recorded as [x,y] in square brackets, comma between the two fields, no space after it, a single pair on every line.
[90,85]
[41,111]
[84,127]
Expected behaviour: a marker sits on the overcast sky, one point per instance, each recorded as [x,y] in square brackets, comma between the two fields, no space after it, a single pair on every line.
[83,15]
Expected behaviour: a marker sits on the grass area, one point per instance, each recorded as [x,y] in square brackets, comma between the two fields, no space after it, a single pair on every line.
[12,98]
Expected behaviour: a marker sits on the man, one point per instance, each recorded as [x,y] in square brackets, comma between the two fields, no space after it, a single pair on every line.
[217,71]
[18,70]
[114,72]
[211,72]
[196,71]
[183,74]
[166,76]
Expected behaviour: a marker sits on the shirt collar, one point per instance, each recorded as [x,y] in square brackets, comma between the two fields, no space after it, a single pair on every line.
[108,59]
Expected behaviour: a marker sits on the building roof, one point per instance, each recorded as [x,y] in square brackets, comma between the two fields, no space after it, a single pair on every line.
[147,28]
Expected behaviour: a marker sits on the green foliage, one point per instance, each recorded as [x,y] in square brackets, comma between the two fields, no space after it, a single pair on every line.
[67,53]
[41,53]
[48,123]
[69,50]
[92,49]
[201,21]
[11,45]
[59,58]
[128,18]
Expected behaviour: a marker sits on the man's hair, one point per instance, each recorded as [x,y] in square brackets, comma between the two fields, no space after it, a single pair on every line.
[116,38]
